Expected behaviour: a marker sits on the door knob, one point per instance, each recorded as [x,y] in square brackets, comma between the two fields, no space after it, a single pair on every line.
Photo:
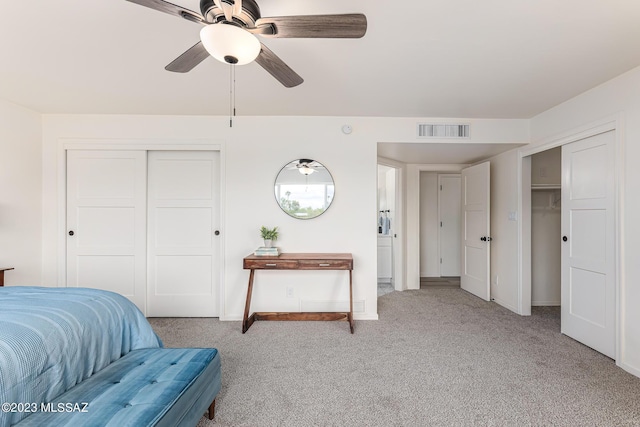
[71,233]
[483,238]
[564,238]
[217,232]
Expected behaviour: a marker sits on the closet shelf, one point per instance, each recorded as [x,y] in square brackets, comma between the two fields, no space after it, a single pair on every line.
[535,187]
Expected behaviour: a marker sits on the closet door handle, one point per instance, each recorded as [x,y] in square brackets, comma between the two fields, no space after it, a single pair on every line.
[565,238]
[71,233]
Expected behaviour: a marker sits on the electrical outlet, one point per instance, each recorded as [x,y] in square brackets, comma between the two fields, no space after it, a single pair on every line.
[289,291]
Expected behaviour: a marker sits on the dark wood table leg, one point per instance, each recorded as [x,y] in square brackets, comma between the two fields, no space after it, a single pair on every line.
[2,270]
[351,322]
[245,319]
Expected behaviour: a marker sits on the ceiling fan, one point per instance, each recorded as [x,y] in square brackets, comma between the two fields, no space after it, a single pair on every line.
[305,166]
[231,26]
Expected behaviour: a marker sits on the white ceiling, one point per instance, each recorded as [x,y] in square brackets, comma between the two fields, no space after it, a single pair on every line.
[441,153]
[419,58]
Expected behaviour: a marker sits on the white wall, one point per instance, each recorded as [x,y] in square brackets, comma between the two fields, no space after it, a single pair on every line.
[20,194]
[254,151]
[429,262]
[619,97]
[546,167]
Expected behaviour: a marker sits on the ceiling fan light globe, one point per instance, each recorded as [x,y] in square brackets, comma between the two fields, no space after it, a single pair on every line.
[224,41]
[306,170]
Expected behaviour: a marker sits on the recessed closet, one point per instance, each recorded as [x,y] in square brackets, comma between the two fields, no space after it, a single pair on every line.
[546,169]
[145,224]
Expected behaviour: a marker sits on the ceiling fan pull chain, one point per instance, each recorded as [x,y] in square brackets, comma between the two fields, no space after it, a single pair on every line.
[230,96]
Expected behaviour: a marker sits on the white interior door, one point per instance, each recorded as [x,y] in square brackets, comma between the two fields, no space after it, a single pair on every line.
[184,250]
[106,221]
[476,238]
[588,248]
[449,216]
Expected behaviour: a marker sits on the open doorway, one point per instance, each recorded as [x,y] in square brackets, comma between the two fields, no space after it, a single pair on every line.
[389,227]
[440,229]
[410,159]
[386,227]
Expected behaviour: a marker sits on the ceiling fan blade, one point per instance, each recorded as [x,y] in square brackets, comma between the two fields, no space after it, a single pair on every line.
[277,68]
[171,9]
[352,25]
[188,60]
[237,7]
[226,8]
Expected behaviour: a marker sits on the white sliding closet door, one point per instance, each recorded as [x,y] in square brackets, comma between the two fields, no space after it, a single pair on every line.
[588,248]
[106,221]
[183,246]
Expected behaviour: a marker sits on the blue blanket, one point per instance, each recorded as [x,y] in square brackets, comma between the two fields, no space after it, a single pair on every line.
[53,338]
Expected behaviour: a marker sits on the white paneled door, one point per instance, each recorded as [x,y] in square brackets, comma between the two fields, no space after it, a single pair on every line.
[106,221]
[183,242]
[475,197]
[449,214]
[588,247]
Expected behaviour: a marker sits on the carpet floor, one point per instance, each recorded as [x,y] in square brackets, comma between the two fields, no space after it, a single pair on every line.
[436,357]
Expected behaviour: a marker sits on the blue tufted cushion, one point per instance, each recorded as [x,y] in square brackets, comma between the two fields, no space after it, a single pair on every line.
[147,387]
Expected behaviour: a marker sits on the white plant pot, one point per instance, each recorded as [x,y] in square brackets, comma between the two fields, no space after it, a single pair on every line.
[268,243]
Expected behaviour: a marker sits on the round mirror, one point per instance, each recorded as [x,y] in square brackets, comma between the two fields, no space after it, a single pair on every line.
[304,188]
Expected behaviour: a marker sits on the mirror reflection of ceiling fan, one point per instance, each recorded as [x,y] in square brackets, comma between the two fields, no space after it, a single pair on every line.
[306,166]
[230,27]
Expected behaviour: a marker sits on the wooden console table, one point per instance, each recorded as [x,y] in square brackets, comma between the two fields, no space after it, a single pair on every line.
[2,270]
[299,261]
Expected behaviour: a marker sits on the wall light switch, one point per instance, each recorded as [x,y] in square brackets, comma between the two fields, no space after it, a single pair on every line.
[513,216]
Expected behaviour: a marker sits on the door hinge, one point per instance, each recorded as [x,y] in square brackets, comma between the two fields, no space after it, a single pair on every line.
[440,187]
[440,260]
[440,223]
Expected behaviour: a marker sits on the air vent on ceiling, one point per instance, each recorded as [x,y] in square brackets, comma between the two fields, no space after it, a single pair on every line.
[429,130]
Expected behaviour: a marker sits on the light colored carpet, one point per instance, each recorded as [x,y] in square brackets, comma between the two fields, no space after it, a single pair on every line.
[436,357]
[426,282]
[385,288]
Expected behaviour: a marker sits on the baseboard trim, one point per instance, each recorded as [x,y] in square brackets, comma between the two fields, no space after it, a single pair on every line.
[545,304]
[505,305]
[632,370]
[356,316]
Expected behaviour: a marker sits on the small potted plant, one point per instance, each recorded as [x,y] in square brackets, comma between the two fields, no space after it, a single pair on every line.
[269,235]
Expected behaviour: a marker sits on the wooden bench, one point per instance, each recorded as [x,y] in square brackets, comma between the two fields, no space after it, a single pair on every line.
[147,387]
